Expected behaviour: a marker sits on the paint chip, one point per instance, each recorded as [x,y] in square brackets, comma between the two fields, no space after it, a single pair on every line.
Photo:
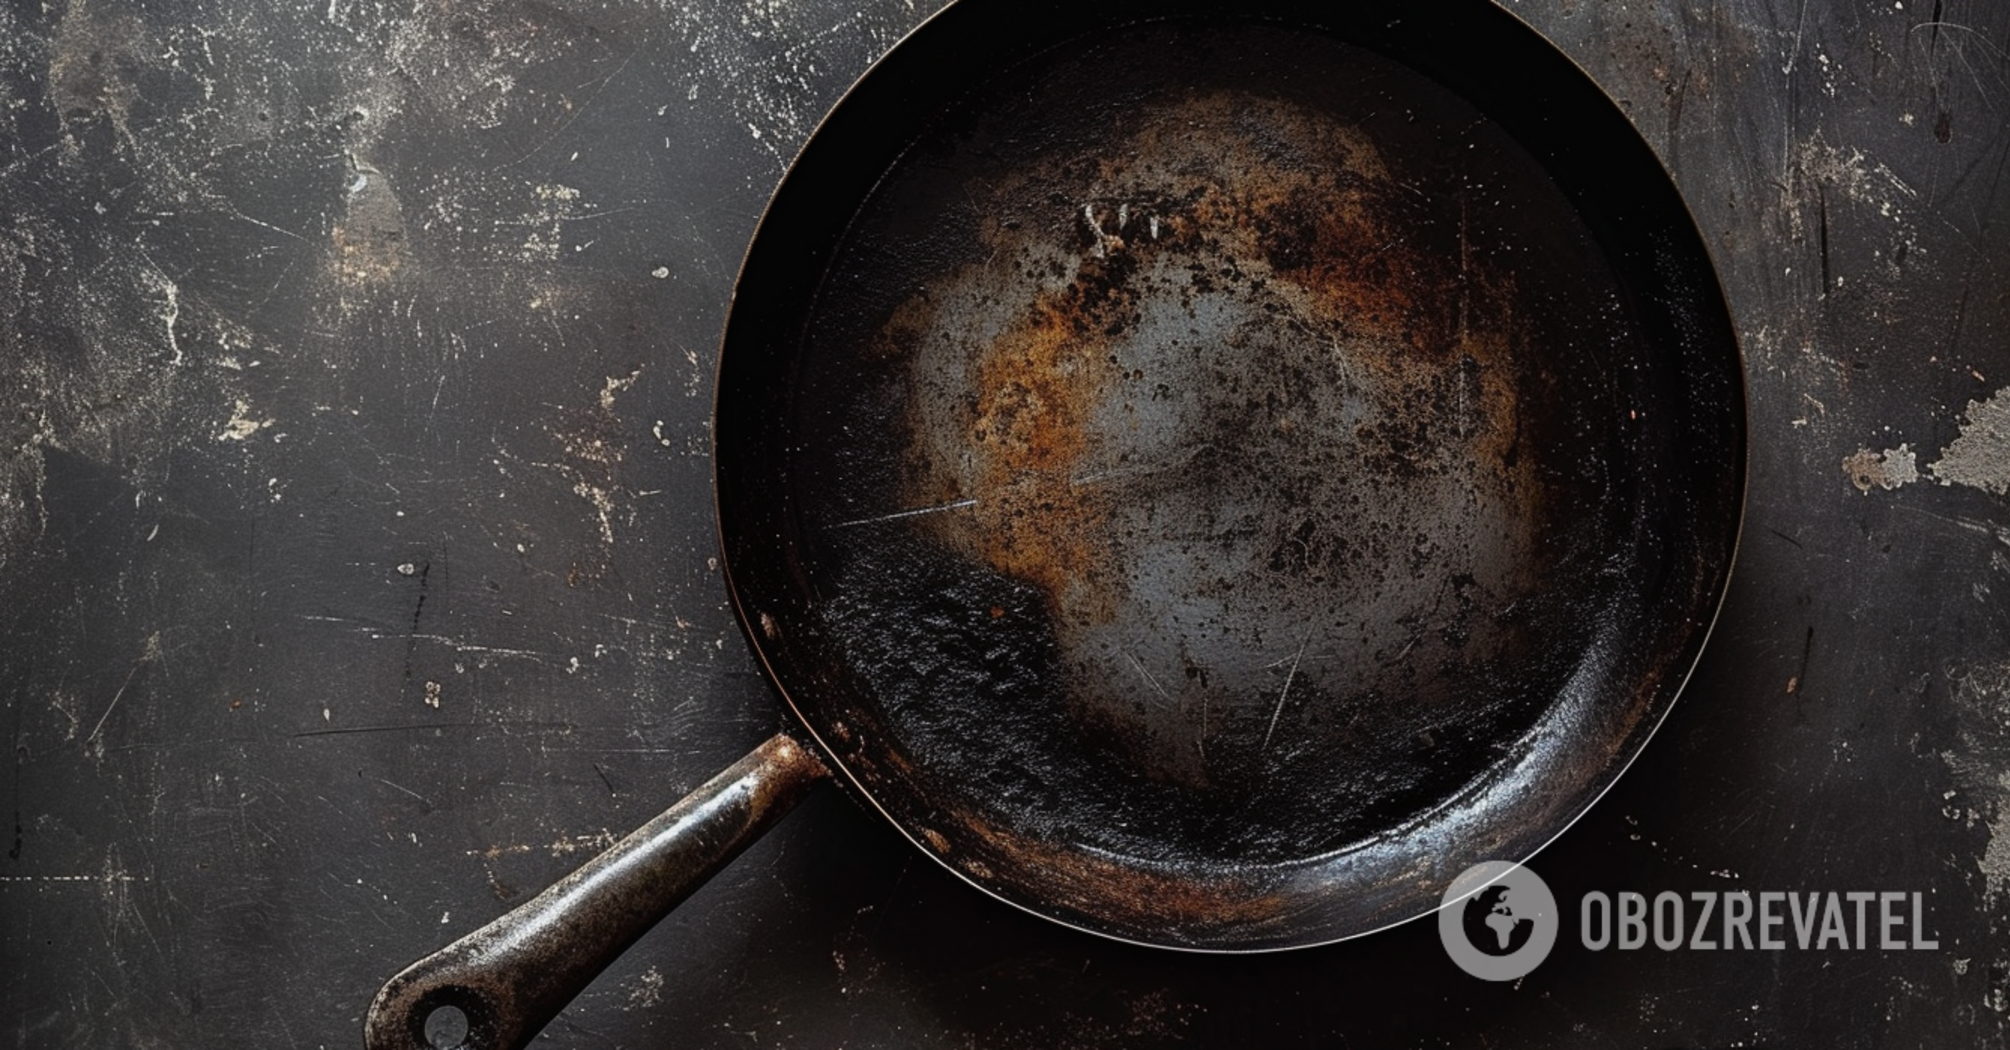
[1981,766]
[1884,470]
[1980,457]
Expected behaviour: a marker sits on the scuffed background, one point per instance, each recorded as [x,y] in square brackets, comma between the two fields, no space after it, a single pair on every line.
[356,553]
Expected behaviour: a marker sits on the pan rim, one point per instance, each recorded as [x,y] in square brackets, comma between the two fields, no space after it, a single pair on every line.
[1669,683]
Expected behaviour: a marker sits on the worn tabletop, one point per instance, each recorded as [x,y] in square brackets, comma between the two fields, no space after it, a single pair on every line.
[358,572]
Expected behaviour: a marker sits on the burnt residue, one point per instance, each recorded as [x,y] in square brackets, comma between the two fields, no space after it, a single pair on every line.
[1214,451]
[1225,411]
[1241,281]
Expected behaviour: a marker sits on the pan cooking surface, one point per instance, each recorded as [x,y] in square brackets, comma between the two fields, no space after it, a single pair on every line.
[1246,427]
[1214,449]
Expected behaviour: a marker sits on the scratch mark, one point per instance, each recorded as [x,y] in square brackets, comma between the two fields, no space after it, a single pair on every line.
[404,789]
[1465,285]
[1936,25]
[269,226]
[469,647]
[1786,537]
[377,633]
[1799,682]
[179,745]
[20,757]
[1967,289]
[1993,531]
[577,111]
[1675,104]
[914,513]
[115,702]
[418,609]
[107,877]
[361,625]
[1200,740]
[1149,680]
[1285,693]
[1097,477]
[387,729]
[1822,234]
[1800,27]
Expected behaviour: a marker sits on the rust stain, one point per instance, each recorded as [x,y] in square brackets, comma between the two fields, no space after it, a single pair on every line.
[1292,211]
[1036,390]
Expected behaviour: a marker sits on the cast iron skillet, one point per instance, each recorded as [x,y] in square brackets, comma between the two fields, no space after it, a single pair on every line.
[1209,473]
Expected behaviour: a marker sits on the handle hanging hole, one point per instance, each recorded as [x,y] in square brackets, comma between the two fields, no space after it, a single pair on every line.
[446,1027]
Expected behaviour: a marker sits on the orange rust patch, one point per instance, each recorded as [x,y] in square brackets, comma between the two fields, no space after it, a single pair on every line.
[1036,387]
[1297,210]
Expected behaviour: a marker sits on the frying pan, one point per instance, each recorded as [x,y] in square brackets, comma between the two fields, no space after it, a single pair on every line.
[1208,473]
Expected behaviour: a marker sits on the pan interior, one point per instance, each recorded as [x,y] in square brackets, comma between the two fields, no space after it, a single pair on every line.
[1213,447]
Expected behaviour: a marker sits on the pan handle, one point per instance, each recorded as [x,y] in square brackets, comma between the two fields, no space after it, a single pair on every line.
[497,987]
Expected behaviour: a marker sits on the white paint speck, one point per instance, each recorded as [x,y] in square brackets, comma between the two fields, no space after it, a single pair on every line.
[241,424]
[615,385]
[647,990]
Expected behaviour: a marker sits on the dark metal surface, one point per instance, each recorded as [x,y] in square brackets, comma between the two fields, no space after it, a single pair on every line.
[497,987]
[1229,474]
[233,807]
[1325,351]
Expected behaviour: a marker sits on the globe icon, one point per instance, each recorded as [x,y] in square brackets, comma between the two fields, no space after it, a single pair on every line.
[1498,920]
[1491,924]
